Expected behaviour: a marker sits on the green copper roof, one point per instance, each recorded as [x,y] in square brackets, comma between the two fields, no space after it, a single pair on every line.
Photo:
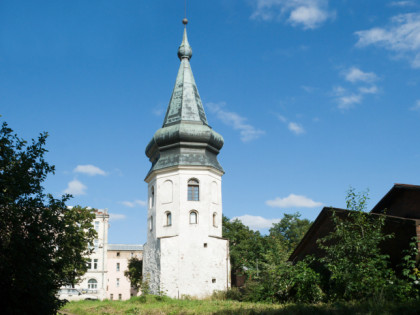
[185,103]
[185,137]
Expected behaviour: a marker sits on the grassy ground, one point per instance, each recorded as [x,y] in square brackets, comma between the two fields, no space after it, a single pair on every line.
[157,305]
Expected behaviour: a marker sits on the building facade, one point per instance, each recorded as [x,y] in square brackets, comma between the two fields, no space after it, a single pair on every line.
[185,253]
[94,280]
[106,265]
[119,286]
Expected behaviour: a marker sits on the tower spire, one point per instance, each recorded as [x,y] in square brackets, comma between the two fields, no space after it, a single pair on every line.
[185,128]
[185,103]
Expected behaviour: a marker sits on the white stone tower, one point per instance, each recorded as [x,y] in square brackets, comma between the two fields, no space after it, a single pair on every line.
[185,253]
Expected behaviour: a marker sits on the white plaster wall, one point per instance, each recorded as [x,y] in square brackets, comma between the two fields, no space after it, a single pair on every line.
[100,253]
[176,260]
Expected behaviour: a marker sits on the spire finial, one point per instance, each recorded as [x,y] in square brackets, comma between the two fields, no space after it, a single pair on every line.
[185,51]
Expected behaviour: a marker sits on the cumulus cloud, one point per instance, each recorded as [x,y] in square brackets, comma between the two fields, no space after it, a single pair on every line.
[132,204]
[75,188]
[356,75]
[237,122]
[116,217]
[308,14]
[89,169]
[295,128]
[347,99]
[401,36]
[293,201]
[256,222]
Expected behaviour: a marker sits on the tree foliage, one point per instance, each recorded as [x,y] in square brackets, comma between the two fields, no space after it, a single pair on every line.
[245,245]
[135,272]
[356,267]
[42,242]
[352,268]
[290,230]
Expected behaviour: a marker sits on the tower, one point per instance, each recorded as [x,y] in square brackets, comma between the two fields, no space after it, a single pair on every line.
[185,253]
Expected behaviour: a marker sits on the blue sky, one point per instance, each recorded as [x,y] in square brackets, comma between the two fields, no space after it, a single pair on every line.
[311,97]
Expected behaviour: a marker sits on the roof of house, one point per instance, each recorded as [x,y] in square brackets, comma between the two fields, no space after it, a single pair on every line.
[402,200]
[123,247]
[402,217]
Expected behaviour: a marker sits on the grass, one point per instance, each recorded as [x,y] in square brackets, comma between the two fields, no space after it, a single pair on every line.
[154,305]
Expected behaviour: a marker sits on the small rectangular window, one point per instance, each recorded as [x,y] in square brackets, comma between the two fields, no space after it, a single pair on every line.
[111,297]
[120,296]
[118,282]
[118,254]
[193,193]
[205,245]
[118,266]
[97,226]
[95,264]
[213,280]
[96,244]
[132,254]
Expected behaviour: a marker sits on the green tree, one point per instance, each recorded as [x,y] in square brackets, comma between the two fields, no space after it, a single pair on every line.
[42,242]
[245,245]
[356,268]
[135,272]
[290,230]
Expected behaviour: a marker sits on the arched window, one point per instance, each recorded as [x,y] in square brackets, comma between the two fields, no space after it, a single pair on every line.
[92,284]
[193,190]
[214,219]
[168,221]
[151,223]
[193,217]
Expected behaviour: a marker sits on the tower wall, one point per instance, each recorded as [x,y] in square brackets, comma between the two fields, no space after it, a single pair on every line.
[184,258]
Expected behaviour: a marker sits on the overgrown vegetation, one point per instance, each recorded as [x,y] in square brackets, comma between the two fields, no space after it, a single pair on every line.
[353,268]
[43,244]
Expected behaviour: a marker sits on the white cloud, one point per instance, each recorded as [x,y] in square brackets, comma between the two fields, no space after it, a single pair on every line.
[348,101]
[369,90]
[308,14]
[116,217]
[355,75]
[134,203]
[293,201]
[237,122]
[296,128]
[75,188]
[402,3]
[282,118]
[256,222]
[416,106]
[89,169]
[292,126]
[402,36]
